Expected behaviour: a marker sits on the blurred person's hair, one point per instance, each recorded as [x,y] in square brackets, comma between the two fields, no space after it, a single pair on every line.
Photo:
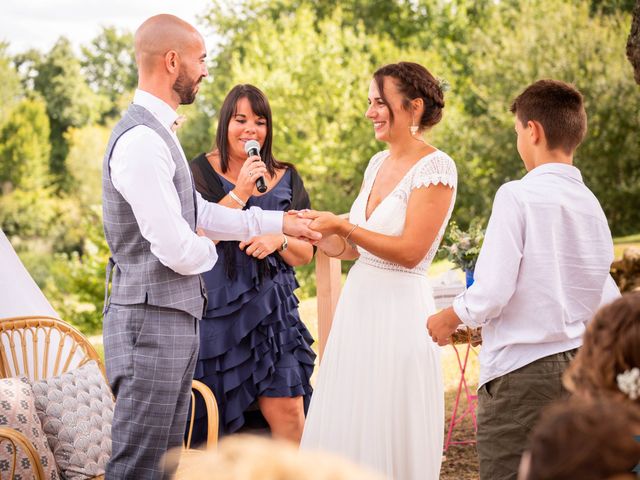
[247,457]
[584,439]
[610,352]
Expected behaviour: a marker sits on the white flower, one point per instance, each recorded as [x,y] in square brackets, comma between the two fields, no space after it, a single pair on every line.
[465,243]
[629,383]
[453,249]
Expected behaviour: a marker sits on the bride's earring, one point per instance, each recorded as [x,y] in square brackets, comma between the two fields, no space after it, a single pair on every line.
[413,128]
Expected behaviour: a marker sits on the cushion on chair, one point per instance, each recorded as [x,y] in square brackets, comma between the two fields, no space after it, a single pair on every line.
[17,411]
[76,410]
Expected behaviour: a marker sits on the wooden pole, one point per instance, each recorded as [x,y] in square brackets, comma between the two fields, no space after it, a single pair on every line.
[328,285]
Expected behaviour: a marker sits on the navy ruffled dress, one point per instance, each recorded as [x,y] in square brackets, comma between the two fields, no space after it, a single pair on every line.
[252,341]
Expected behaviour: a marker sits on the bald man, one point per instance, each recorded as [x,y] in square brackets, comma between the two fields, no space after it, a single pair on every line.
[151,214]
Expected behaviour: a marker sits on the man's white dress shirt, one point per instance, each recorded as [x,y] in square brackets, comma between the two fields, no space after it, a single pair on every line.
[142,171]
[542,272]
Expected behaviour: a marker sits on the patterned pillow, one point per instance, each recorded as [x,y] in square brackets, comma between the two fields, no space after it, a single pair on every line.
[76,410]
[18,412]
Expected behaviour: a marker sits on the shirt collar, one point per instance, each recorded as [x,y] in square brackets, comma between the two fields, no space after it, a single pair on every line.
[161,110]
[556,169]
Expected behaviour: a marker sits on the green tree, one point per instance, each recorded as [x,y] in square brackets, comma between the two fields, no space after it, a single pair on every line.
[633,43]
[543,39]
[108,63]
[198,133]
[608,7]
[403,21]
[11,90]
[84,162]
[75,281]
[70,101]
[316,75]
[316,81]
[24,147]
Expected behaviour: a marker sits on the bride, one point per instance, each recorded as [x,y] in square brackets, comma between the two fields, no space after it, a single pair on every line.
[379,395]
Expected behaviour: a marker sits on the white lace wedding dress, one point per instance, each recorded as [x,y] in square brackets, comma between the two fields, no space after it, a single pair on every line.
[379,395]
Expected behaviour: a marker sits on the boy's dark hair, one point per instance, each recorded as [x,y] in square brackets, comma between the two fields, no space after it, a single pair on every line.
[559,108]
[586,440]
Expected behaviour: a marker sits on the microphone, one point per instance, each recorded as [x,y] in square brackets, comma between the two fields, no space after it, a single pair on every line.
[251,148]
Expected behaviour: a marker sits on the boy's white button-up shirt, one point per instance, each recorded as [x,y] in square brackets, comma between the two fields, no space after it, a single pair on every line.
[542,272]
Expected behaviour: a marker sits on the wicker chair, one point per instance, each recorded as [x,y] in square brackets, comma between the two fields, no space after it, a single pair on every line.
[19,441]
[42,347]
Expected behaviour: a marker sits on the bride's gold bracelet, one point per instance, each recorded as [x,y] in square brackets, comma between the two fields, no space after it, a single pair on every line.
[344,247]
[351,231]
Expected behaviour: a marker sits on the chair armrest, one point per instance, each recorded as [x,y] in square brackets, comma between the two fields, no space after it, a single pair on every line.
[211,406]
[17,439]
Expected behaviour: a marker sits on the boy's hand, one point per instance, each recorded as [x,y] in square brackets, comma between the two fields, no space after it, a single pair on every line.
[442,325]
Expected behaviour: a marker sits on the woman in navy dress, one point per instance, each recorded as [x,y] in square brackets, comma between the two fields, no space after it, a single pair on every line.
[255,352]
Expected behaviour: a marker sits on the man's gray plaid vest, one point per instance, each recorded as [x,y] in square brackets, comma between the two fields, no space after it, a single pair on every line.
[138,276]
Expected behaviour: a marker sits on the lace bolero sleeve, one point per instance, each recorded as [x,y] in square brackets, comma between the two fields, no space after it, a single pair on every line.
[435,169]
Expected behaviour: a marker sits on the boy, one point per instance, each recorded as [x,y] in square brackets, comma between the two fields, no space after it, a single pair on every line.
[542,273]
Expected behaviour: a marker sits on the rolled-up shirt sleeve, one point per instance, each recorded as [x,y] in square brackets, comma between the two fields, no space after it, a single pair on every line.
[222,223]
[142,171]
[501,252]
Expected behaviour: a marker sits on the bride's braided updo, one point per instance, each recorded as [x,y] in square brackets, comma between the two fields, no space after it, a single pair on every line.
[414,81]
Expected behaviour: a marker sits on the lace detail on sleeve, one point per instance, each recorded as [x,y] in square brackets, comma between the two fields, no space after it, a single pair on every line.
[435,169]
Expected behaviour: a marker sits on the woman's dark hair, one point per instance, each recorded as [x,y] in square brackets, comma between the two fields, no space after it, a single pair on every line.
[260,106]
[414,81]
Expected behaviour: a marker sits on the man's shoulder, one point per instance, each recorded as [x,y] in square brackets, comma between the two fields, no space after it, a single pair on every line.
[142,144]
[137,134]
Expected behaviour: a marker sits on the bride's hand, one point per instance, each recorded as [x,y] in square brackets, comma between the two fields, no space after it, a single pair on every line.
[324,222]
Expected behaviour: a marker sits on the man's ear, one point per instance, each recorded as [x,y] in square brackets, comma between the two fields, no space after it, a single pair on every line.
[172,61]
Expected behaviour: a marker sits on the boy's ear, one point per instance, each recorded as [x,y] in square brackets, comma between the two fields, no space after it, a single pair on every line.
[536,132]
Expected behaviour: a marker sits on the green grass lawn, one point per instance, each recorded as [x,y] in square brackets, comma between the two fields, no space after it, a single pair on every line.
[622,243]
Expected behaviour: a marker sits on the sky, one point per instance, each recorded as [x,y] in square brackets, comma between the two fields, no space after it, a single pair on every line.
[37,24]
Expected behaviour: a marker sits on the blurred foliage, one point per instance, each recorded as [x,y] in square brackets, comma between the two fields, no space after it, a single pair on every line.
[314,60]
[543,39]
[11,91]
[24,147]
[84,161]
[57,76]
[75,285]
[314,80]
[109,66]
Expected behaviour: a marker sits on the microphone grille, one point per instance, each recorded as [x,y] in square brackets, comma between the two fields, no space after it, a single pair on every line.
[250,145]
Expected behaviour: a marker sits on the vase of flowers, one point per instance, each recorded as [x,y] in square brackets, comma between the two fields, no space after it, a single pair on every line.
[463,247]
